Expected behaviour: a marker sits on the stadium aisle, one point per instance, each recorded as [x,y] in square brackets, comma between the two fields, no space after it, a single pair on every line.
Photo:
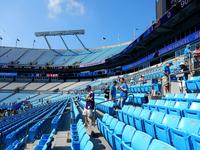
[97,139]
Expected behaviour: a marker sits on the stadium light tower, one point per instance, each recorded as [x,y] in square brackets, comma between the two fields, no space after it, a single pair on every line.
[61,34]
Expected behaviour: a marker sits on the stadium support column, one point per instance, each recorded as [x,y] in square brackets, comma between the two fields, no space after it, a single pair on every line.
[82,43]
[47,42]
[66,45]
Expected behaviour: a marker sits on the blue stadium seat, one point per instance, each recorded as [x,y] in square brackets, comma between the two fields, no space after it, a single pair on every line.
[84,141]
[89,146]
[123,110]
[180,136]
[155,144]
[116,133]
[106,124]
[178,107]
[195,142]
[139,121]
[140,141]
[134,114]
[189,97]
[169,96]
[167,105]
[162,130]
[128,114]
[127,135]
[156,117]
[109,130]
[178,97]
[193,111]
[105,116]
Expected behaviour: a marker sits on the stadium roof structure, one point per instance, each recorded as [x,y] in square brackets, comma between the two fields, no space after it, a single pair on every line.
[61,34]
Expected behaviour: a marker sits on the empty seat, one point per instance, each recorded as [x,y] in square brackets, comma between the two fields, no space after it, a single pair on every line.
[155,144]
[156,117]
[110,128]
[139,121]
[193,111]
[195,142]
[140,141]
[106,124]
[169,96]
[84,141]
[167,105]
[117,133]
[128,114]
[89,146]
[162,130]
[127,135]
[180,136]
[136,113]
[178,107]
[120,112]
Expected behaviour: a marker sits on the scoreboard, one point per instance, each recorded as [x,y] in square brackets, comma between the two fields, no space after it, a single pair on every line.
[180,3]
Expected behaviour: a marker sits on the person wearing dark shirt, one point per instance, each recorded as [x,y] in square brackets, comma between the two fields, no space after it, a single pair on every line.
[106,93]
[89,107]
[184,72]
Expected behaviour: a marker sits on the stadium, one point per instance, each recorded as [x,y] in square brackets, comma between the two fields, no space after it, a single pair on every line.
[140,94]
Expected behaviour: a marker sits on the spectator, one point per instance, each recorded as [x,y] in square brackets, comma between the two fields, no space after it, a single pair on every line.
[106,92]
[196,53]
[89,107]
[166,77]
[141,80]
[113,93]
[187,52]
[123,88]
[183,76]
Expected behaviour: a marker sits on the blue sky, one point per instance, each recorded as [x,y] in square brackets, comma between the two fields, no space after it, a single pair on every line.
[114,19]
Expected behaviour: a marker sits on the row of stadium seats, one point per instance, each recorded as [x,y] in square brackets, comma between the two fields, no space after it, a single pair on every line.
[74,111]
[188,97]
[46,139]
[181,132]
[80,138]
[193,85]
[145,88]
[137,98]
[180,108]
[20,131]
[121,136]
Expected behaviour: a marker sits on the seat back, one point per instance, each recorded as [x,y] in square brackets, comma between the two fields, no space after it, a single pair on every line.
[125,108]
[145,114]
[181,105]
[84,141]
[108,121]
[171,121]
[189,125]
[157,117]
[131,110]
[137,111]
[152,102]
[141,141]
[195,106]
[179,96]
[169,96]
[105,116]
[190,96]
[89,146]
[128,133]
[113,124]
[119,128]
[160,103]
[155,144]
[170,103]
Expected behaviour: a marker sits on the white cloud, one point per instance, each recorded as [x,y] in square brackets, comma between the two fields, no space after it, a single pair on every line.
[75,7]
[71,7]
[54,7]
